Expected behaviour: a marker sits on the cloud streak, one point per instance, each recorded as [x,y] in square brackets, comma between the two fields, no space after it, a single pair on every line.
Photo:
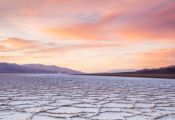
[158,57]
[17,44]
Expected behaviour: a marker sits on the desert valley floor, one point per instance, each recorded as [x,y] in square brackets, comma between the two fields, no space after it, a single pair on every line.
[74,97]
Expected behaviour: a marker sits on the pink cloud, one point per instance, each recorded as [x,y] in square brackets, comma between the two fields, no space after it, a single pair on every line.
[156,58]
[16,44]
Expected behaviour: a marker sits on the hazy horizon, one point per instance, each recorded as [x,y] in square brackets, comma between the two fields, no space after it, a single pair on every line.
[88,35]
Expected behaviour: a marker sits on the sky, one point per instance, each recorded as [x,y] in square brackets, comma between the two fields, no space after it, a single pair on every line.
[88,35]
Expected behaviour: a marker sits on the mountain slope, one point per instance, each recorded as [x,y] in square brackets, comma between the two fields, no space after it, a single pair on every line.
[164,72]
[34,68]
[52,68]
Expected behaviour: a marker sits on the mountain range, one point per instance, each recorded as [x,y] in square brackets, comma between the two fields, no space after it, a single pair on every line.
[35,68]
[163,72]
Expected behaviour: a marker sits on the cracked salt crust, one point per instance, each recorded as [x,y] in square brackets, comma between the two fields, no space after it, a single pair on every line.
[68,97]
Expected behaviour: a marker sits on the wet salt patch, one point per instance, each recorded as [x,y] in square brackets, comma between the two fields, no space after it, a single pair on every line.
[111,116]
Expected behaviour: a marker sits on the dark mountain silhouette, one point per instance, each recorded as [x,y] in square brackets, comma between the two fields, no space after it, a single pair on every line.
[34,68]
[163,72]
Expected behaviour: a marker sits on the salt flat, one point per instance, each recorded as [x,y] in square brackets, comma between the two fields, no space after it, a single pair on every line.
[73,97]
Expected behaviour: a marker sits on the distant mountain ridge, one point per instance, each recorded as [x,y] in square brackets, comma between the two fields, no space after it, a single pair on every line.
[34,68]
[167,70]
[163,72]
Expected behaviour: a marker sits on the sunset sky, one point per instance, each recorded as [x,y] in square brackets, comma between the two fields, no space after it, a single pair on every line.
[88,35]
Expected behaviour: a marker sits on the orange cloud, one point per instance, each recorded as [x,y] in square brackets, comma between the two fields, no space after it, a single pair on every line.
[157,58]
[34,48]
[100,20]
[98,31]
[16,44]
[55,50]
[2,48]
[153,21]
[10,58]
[85,32]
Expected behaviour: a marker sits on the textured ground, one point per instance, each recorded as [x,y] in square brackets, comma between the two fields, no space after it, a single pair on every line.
[66,97]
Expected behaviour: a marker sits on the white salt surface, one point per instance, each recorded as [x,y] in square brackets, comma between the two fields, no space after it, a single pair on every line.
[73,97]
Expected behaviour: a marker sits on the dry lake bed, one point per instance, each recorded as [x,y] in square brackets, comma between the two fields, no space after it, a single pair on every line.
[74,97]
